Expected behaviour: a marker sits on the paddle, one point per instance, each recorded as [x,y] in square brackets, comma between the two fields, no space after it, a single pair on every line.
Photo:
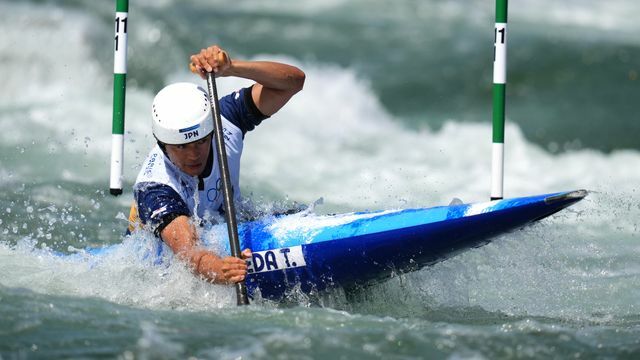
[227,189]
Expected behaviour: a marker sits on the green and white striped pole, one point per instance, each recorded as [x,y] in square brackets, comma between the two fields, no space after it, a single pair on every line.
[499,87]
[119,91]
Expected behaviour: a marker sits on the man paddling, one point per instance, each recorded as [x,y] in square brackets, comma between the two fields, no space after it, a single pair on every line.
[179,186]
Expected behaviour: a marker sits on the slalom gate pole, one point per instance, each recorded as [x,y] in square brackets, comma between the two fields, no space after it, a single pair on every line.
[119,91]
[499,87]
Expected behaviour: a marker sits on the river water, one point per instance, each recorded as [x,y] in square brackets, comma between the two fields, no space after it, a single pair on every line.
[395,113]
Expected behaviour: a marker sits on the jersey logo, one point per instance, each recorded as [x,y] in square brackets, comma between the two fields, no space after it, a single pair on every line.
[213,193]
[150,164]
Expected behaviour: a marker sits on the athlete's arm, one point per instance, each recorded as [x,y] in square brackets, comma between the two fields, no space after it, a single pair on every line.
[181,236]
[275,84]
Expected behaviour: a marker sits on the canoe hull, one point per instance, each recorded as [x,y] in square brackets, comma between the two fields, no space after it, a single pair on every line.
[376,247]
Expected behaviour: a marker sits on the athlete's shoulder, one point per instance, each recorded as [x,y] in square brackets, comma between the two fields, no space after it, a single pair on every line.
[157,204]
[240,109]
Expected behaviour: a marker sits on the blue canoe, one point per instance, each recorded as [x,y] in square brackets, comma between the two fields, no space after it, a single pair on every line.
[311,253]
[357,248]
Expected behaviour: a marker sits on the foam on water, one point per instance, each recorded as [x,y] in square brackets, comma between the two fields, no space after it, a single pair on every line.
[340,142]
[123,275]
[351,152]
[57,124]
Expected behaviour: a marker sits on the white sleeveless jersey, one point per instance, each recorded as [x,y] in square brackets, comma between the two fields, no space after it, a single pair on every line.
[158,169]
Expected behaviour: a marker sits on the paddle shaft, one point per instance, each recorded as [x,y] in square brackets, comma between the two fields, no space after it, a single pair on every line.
[227,188]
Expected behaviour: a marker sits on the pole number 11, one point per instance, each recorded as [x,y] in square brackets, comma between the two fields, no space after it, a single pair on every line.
[124,28]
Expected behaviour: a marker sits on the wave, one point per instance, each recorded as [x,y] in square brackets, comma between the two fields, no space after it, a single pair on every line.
[571,75]
[349,148]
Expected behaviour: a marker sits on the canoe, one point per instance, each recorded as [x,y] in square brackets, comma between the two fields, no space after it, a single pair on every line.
[310,253]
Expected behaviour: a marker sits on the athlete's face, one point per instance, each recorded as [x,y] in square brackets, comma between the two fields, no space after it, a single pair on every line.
[192,157]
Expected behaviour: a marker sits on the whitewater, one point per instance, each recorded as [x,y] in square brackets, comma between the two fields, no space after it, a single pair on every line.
[567,286]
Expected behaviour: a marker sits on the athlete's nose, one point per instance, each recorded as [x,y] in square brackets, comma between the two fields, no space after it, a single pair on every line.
[193,152]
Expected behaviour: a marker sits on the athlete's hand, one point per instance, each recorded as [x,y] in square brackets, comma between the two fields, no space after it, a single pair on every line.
[235,269]
[212,59]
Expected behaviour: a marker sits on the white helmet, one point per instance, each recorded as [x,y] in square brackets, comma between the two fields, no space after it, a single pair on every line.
[181,114]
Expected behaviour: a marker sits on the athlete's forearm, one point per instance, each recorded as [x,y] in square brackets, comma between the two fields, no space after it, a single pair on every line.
[181,236]
[269,74]
[207,264]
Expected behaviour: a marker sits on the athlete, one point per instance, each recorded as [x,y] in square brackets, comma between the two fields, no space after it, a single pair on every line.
[178,186]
